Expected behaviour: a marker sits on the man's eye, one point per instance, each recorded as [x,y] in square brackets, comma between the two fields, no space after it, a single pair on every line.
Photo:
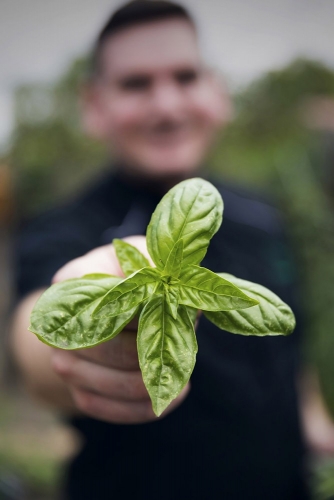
[186,77]
[135,83]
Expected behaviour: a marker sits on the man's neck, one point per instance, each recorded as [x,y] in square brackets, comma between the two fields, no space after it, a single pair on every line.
[154,184]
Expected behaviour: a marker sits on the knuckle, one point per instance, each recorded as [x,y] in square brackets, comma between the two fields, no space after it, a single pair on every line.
[130,414]
[137,390]
[125,351]
[61,365]
[72,269]
[148,413]
[140,391]
[84,401]
[129,355]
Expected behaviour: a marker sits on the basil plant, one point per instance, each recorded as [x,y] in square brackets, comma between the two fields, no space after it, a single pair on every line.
[83,312]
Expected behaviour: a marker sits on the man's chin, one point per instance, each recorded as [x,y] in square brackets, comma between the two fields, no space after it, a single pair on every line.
[170,173]
[160,167]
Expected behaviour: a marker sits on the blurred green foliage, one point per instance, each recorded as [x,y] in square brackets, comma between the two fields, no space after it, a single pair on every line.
[31,449]
[49,155]
[269,119]
[323,484]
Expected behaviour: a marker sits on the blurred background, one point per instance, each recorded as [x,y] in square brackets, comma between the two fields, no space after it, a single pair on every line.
[277,59]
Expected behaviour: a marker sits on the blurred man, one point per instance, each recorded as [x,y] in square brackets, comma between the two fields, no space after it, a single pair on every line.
[234,433]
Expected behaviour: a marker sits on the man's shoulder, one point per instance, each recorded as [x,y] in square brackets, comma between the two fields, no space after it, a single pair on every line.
[249,209]
[92,199]
[46,242]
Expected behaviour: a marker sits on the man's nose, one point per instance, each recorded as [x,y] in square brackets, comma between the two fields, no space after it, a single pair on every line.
[167,99]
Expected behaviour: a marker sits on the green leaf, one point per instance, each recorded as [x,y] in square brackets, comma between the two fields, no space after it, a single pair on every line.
[172,297]
[129,293]
[98,276]
[129,257]
[167,350]
[174,260]
[62,315]
[270,317]
[191,211]
[192,314]
[203,289]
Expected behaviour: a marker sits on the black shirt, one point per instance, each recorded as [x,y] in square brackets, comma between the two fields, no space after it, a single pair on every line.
[236,436]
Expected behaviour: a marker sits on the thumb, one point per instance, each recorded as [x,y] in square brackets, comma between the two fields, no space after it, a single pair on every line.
[99,260]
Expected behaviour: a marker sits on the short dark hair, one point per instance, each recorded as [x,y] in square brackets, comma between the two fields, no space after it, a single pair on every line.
[130,14]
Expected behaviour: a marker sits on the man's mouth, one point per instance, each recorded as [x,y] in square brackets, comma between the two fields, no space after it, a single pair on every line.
[168,132]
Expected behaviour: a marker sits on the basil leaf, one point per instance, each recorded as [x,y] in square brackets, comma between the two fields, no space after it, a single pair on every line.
[62,315]
[192,314]
[191,211]
[270,317]
[129,257]
[172,297]
[98,276]
[167,350]
[203,289]
[129,293]
[174,260]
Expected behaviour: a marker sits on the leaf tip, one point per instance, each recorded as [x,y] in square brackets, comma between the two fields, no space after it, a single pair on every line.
[159,406]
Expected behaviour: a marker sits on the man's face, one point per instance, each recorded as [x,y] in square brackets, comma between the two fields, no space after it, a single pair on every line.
[155,105]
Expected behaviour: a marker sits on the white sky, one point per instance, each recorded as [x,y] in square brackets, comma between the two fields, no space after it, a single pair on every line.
[242,38]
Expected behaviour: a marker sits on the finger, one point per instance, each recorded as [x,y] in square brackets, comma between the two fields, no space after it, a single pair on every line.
[99,260]
[120,353]
[120,412]
[107,382]
[113,411]
[140,243]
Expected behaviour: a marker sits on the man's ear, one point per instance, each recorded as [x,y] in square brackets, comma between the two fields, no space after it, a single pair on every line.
[222,106]
[92,115]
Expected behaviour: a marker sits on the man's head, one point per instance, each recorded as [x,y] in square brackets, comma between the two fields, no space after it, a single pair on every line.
[150,98]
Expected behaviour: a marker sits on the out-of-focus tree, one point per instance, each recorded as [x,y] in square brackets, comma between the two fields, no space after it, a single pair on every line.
[269,118]
[270,105]
[49,155]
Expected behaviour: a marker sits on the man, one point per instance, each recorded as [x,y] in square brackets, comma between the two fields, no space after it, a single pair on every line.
[232,433]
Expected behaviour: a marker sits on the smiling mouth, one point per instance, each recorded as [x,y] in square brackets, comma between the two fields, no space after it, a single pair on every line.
[168,133]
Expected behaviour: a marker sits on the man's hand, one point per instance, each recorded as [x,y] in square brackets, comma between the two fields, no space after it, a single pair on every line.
[105,381]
